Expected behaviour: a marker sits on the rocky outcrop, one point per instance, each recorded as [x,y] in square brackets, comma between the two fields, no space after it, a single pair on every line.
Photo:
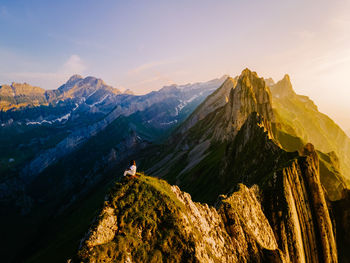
[282,88]
[296,207]
[230,106]
[146,220]
[19,95]
[250,95]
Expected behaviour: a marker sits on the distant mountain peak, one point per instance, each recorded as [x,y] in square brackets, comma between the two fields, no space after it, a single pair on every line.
[74,78]
[129,92]
[286,78]
[283,87]
[232,103]
[250,78]
[251,94]
[247,72]
[77,86]
[269,82]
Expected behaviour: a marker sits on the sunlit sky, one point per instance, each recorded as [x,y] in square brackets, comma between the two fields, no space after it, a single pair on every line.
[144,45]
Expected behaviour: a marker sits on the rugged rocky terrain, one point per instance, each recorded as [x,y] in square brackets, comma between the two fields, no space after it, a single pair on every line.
[147,220]
[255,189]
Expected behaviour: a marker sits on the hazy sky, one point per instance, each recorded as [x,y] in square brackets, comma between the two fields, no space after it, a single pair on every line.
[143,45]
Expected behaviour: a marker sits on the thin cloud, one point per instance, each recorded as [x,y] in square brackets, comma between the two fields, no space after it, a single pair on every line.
[73,65]
[148,66]
[4,13]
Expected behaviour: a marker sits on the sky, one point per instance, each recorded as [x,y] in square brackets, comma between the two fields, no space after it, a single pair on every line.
[144,45]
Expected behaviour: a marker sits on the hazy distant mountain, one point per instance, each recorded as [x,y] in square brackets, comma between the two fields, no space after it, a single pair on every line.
[128,91]
[301,118]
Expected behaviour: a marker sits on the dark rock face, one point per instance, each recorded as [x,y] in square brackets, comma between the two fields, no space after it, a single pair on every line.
[341,211]
[298,212]
[250,95]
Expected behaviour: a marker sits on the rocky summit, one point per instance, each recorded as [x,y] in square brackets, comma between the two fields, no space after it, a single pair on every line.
[147,220]
[236,169]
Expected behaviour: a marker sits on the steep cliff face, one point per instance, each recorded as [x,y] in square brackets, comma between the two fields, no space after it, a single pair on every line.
[147,220]
[341,211]
[230,106]
[296,206]
[231,143]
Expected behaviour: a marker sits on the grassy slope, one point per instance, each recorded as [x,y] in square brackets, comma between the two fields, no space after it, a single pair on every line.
[147,202]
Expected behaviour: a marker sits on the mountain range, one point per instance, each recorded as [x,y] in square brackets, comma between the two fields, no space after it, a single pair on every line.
[237,169]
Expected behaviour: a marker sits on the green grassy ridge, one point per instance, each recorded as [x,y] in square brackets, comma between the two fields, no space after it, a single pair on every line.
[147,203]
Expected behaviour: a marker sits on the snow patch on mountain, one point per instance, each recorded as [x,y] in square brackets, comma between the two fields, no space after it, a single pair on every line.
[100,101]
[59,119]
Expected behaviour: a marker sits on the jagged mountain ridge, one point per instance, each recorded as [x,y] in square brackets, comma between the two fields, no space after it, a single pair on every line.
[87,106]
[245,114]
[146,220]
[172,228]
[222,115]
[252,156]
[16,95]
[207,164]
